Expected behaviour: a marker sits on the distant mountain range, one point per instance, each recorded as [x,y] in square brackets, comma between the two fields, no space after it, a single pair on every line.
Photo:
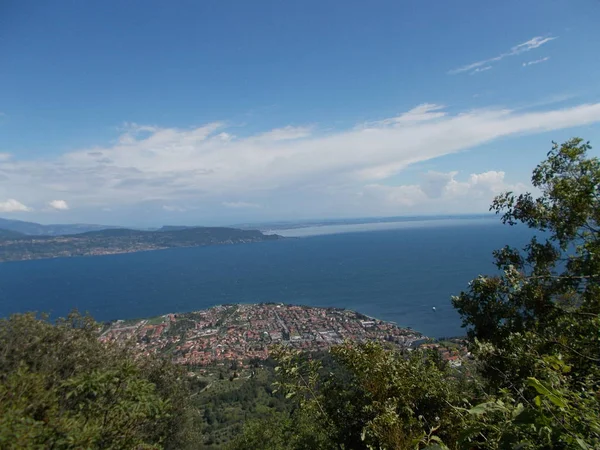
[15,246]
[37,229]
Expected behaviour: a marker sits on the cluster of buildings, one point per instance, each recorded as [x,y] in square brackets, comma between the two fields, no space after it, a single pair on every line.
[246,332]
[454,351]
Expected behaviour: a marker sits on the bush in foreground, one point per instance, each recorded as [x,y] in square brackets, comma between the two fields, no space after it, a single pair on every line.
[62,388]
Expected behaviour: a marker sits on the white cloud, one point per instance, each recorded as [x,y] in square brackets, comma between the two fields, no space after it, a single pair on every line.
[437,191]
[394,196]
[421,113]
[535,42]
[5,156]
[12,205]
[433,183]
[197,167]
[59,205]
[531,44]
[131,131]
[536,61]
[483,185]
[285,134]
[240,205]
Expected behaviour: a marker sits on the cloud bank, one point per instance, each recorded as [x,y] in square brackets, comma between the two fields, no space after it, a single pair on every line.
[208,166]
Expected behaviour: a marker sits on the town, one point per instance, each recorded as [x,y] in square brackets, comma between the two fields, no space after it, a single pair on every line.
[244,332]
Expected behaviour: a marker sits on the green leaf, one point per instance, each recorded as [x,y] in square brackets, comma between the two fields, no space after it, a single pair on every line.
[553,396]
[483,408]
[518,410]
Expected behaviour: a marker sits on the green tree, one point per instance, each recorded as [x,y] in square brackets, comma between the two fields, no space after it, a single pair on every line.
[62,388]
[297,431]
[372,397]
[535,328]
[551,289]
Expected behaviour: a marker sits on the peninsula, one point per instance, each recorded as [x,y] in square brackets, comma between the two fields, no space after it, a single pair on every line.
[244,332]
[17,247]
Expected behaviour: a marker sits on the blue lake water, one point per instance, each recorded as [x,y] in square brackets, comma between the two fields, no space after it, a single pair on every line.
[395,274]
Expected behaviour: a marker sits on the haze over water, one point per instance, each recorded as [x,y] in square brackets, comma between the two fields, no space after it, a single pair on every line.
[398,275]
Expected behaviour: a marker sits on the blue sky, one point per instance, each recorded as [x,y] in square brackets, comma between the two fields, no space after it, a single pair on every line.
[144,113]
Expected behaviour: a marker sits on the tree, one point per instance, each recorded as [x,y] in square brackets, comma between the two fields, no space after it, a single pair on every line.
[551,290]
[374,397]
[535,328]
[62,388]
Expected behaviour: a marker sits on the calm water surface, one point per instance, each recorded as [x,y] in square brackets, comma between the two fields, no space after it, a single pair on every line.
[397,275]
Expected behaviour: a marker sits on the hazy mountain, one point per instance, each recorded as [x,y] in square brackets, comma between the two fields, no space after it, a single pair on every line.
[176,227]
[10,234]
[37,229]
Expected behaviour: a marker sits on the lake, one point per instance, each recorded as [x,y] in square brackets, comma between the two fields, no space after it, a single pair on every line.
[397,274]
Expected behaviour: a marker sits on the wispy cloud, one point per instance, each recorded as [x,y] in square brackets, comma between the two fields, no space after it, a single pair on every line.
[12,205]
[531,44]
[547,101]
[286,134]
[481,69]
[536,61]
[421,113]
[320,173]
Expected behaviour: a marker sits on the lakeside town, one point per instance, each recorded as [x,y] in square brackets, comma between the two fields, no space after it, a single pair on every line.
[244,332]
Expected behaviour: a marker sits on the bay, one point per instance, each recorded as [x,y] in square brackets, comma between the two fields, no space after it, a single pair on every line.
[397,274]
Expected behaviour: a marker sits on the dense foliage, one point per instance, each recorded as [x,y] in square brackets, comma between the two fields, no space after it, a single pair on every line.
[534,333]
[61,388]
[536,327]
[234,397]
